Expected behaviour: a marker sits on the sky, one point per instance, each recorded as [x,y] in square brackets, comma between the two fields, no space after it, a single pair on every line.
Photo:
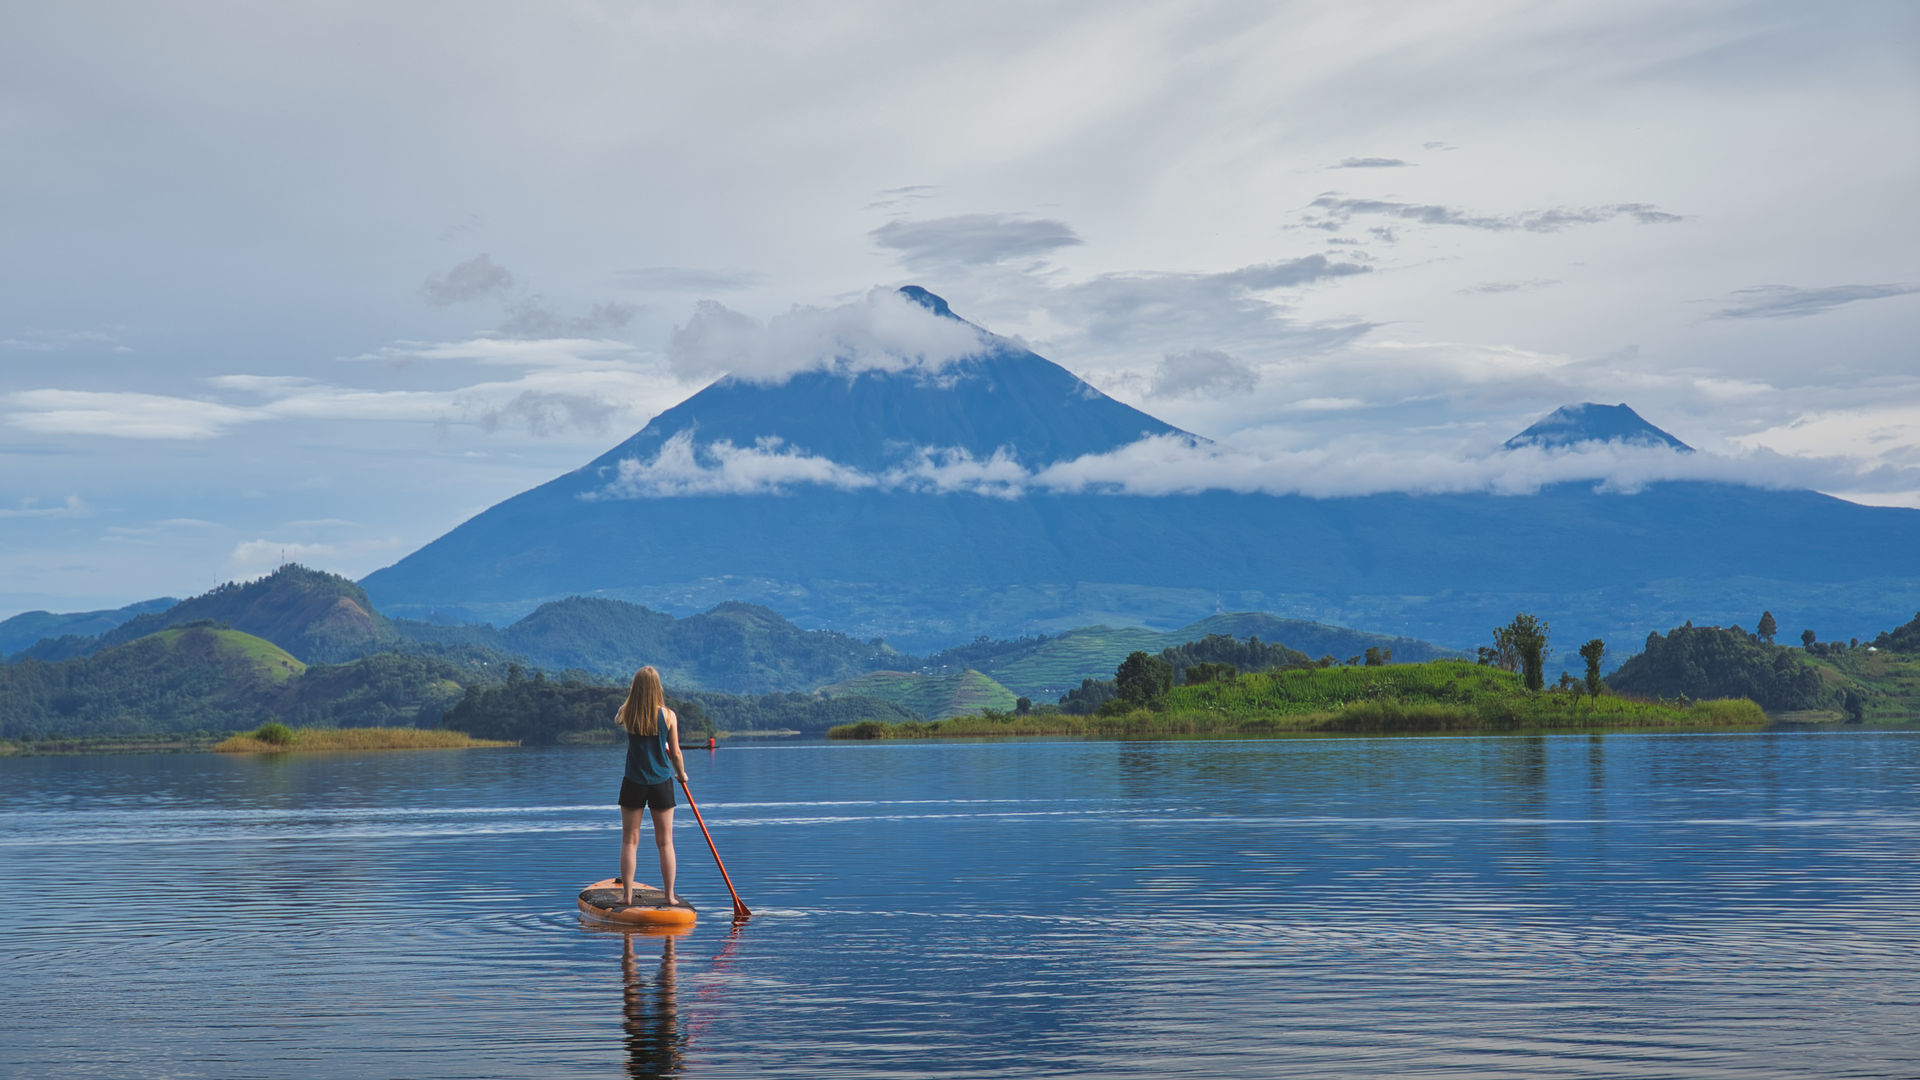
[317,282]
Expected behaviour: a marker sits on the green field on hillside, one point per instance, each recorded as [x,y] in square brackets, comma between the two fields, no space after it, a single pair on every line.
[1887,682]
[955,694]
[1438,696]
[254,654]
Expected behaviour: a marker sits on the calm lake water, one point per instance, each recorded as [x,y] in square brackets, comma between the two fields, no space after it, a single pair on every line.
[1626,905]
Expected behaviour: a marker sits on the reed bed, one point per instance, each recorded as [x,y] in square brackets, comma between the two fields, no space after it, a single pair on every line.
[277,738]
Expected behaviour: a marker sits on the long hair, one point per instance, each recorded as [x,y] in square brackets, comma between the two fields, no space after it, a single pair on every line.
[640,714]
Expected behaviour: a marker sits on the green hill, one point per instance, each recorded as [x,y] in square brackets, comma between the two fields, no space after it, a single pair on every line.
[316,616]
[1887,683]
[1045,668]
[184,679]
[208,678]
[953,694]
[1720,662]
[738,648]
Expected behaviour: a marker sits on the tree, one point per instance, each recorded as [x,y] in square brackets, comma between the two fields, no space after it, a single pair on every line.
[1143,680]
[1373,656]
[1856,707]
[1591,652]
[1767,627]
[1505,653]
[1206,673]
[1087,697]
[1525,641]
[1023,706]
[1807,639]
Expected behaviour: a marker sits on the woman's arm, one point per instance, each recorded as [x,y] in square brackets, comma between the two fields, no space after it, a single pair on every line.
[673,744]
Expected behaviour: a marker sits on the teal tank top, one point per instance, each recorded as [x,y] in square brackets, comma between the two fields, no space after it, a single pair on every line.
[647,760]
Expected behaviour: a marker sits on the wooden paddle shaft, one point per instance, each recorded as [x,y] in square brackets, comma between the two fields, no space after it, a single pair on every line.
[739,909]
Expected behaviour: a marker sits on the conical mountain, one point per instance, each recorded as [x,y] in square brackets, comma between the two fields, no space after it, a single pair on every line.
[1002,400]
[828,497]
[1571,425]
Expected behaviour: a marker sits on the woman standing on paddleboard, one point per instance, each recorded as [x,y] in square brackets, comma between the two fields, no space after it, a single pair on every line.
[653,763]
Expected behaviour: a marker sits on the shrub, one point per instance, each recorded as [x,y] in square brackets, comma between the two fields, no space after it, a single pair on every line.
[274,734]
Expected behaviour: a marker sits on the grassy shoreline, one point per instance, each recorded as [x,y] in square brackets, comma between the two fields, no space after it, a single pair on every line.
[1387,718]
[277,739]
[1437,697]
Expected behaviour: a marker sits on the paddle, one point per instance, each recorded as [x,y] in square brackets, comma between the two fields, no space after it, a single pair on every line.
[740,911]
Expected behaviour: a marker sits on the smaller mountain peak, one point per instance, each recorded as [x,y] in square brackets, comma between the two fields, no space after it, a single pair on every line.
[1588,422]
[927,300]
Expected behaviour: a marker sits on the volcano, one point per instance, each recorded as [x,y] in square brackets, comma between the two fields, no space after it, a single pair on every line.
[868,499]
[1571,425]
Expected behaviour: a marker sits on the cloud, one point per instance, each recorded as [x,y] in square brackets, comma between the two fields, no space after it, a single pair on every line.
[123,415]
[888,198]
[533,320]
[882,332]
[471,280]
[30,507]
[500,352]
[1789,302]
[1509,286]
[553,398]
[1887,432]
[251,558]
[1335,212]
[1172,312]
[687,279]
[1162,465]
[544,413]
[62,340]
[972,239]
[1201,373]
[1373,163]
[722,468]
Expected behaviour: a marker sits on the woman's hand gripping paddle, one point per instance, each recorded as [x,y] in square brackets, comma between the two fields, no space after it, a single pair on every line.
[740,912]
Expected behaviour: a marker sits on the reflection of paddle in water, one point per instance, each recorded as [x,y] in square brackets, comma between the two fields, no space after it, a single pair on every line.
[655,1046]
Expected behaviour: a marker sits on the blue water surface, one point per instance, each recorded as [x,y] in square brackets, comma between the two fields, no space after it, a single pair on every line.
[1620,905]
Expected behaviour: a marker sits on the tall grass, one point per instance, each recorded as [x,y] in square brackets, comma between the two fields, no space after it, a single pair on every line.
[276,738]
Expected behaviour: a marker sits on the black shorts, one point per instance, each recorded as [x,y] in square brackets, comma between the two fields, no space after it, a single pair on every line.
[652,796]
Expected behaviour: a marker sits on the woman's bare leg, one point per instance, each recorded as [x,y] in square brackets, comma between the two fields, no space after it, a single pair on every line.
[663,839]
[629,851]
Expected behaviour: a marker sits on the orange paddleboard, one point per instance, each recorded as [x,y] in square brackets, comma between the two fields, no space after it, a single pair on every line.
[600,902]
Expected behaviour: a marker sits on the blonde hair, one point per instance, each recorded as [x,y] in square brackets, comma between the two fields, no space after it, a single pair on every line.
[641,711]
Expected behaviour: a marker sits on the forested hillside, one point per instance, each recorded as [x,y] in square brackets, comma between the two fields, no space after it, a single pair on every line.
[211,679]
[316,616]
[738,648]
[537,710]
[1701,662]
[1046,667]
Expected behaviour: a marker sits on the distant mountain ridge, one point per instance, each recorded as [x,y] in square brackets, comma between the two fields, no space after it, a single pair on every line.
[30,627]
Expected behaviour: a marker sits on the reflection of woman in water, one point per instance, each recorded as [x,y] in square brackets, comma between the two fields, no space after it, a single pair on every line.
[655,1047]
[653,761]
